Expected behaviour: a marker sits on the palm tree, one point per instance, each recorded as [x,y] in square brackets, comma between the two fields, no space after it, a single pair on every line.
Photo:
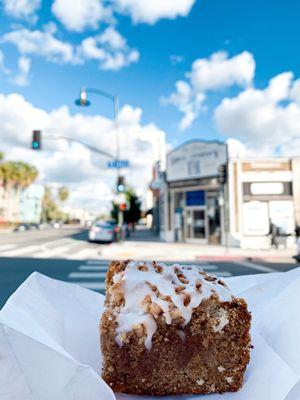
[63,193]
[15,176]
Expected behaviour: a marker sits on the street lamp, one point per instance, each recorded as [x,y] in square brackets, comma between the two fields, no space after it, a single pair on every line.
[83,101]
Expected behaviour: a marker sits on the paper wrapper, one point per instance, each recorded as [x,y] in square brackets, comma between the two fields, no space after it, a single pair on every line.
[49,341]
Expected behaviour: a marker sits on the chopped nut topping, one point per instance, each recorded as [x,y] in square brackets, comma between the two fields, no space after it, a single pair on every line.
[143,268]
[186,300]
[179,289]
[158,268]
[153,287]
[182,278]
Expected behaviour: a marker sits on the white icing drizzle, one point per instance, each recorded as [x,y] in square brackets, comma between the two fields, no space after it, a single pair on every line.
[135,284]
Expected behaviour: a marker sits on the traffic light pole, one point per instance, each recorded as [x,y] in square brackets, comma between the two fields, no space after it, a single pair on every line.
[83,101]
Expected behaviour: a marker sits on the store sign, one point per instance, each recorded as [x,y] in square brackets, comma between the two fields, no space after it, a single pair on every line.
[256,218]
[196,159]
[267,188]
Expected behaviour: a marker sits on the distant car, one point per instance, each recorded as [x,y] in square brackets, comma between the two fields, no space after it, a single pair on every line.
[102,232]
[56,224]
[22,227]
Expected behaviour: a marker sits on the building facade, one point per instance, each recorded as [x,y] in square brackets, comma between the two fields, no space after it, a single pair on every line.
[192,196]
[21,205]
[263,195]
[259,195]
[30,206]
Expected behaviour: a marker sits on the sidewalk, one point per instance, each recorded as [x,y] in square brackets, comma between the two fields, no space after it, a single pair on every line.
[143,244]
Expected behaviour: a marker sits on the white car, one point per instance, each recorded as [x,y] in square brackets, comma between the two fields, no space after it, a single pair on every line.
[102,232]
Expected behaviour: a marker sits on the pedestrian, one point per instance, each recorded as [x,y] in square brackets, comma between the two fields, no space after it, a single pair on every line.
[273,232]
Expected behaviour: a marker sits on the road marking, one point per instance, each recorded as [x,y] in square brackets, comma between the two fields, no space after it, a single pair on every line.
[209,267]
[100,262]
[257,267]
[83,254]
[93,285]
[53,252]
[20,251]
[7,247]
[87,275]
[93,267]
[223,274]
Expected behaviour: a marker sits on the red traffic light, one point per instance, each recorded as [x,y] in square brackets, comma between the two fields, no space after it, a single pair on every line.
[123,207]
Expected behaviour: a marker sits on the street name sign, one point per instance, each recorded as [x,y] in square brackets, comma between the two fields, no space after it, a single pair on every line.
[117,164]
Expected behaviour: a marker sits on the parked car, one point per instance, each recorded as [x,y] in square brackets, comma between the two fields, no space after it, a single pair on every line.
[102,232]
[22,227]
[56,224]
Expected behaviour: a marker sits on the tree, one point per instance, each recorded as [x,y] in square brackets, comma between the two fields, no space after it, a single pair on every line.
[133,214]
[63,193]
[50,210]
[15,176]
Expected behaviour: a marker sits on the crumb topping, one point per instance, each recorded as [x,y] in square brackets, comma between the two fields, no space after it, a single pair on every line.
[145,290]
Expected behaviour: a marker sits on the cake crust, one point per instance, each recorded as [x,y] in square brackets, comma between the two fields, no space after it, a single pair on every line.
[207,354]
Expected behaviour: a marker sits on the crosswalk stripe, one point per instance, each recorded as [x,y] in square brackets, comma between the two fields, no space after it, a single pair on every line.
[209,267]
[93,285]
[83,254]
[87,275]
[47,253]
[257,267]
[223,273]
[4,247]
[93,267]
[20,251]
[100,262]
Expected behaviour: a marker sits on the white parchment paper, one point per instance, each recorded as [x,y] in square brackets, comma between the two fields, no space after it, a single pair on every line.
[49,341]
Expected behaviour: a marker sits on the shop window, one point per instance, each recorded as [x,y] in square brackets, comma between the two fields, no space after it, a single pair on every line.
[195,198]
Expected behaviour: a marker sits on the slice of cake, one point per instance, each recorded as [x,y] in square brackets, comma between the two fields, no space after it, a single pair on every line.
[171,330]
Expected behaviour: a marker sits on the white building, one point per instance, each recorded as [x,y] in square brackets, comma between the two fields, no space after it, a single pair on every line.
[259,193]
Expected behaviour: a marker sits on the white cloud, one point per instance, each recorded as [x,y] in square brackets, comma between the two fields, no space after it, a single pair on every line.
[210,74]
[24,65]
[187,101]
[2,64]
[72,164]
[151,11]
[109,48]
[176,59]
[40,43]
[80,14]
[219,71]
[22,9]
[87,14]
[268,119]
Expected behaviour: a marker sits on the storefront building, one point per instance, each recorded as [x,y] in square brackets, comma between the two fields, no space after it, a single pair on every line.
[264,196]
[192,198]
[260,195]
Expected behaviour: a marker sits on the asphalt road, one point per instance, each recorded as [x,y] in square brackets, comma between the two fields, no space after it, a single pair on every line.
[65,254]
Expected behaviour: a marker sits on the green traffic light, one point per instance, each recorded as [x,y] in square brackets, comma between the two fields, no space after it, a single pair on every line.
[35,145]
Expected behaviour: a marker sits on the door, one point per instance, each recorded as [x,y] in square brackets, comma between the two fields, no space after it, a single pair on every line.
[196,224]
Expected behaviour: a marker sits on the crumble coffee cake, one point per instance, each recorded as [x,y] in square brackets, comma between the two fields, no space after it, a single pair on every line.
[171,330]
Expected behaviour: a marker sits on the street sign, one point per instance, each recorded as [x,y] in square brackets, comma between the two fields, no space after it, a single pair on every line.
[117,164]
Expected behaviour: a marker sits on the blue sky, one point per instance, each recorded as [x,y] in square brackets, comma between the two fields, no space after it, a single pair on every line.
[268,31]
[241,47]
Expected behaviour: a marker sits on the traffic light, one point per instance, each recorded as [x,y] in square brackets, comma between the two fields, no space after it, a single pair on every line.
[123,207]
[120,184]
[36,143]
[222,174]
